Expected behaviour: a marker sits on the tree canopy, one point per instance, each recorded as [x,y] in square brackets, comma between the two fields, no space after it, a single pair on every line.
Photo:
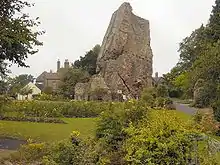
[70,79]
[17,35]
[17,83]
[88,62]
[200,62]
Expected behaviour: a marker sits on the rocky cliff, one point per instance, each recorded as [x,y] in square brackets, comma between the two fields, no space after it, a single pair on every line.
[125,59]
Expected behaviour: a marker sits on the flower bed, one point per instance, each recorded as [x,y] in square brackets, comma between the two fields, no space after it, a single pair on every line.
[51,109]
[32,119]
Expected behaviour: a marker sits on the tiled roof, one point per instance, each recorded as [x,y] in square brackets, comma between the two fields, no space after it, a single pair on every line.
[41,77]
[158,79]
[53,76]
[48,76]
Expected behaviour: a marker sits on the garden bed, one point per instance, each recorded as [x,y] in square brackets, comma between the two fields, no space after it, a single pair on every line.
[51,109]
[33,119]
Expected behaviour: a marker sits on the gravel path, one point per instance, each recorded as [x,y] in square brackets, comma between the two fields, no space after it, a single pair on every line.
[10,144]
[185,108]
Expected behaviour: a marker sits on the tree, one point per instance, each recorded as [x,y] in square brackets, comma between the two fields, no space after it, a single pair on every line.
[190,48]
[213,27]
[17,34]
[48,90]
[70,79]
[88,62]
[169,80]
[17,83]
[199,58]
[26,91]
[3,87]
[183,83]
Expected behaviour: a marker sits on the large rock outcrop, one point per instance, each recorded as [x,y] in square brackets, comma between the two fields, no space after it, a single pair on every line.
[125,59]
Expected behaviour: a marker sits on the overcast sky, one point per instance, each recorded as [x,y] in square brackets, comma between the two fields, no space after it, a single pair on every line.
[75,26]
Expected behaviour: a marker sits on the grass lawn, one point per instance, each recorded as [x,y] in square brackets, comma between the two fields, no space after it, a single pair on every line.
[183,115]
[48,132]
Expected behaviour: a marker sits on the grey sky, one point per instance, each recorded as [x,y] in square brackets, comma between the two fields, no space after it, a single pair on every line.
[75,26]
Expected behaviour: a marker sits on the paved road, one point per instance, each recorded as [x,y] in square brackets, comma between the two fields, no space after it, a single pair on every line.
[185,108]
[10,144]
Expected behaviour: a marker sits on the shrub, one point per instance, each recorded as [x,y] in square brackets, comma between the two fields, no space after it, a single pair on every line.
[100,94]
[160,102]
[154,98]
[64,153]
[162,91]
[216,110]
[164,103]
[49,97]
[51,109]
[31,151]
[110,132]
[163,139]
[148,95]
[206,122]
[4,99]
[198,116]
[204,94]
[58,153]
[32,119]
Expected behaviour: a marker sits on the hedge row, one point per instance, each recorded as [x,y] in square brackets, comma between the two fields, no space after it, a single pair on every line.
[52,109]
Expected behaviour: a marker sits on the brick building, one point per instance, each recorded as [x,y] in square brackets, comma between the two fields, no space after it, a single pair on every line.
[52,79]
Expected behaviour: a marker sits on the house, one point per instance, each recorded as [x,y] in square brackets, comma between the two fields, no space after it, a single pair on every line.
[51,79]
[28,92]
[157,80]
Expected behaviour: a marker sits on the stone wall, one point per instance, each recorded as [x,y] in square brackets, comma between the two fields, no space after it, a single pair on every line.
[81,91]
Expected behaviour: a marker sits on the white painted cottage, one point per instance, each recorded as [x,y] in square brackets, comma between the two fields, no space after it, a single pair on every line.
[34,91]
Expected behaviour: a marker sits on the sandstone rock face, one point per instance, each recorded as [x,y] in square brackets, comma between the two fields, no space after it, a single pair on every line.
[125,59]
[81,91]
[90,90]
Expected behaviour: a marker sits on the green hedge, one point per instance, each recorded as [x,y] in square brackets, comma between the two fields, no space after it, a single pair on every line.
[53,109]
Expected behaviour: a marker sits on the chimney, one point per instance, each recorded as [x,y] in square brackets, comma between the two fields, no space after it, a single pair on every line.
[66,64]
[58,65]
[156,75]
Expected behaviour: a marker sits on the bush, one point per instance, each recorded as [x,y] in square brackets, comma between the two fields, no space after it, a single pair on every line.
[149,95]
[32,119]
[204,94]
[164,103]
[4,99]
[206,122]
[162,91]
[31,152]
[50,109]
[49,97]
[154,98]
[216,110]
[164,139]
[127,133]
[100,94]
[59,153]
[111,130]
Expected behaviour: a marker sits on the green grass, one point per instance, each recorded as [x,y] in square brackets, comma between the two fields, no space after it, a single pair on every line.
[183,115]
[48,132]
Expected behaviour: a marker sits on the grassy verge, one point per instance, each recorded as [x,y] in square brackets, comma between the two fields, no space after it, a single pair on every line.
[48,132]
